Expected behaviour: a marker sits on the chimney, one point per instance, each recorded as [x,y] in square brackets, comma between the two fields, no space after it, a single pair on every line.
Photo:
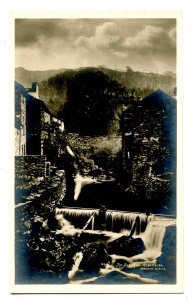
[34,90]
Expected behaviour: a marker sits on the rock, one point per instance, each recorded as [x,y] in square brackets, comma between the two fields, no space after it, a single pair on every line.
[58,222]
[36,227]
[126,246]
[52,222]
[53,253]
[95,256]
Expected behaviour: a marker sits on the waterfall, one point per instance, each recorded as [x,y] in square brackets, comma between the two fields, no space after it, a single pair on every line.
[154,234]
[75,212]
[78,217]
[153,241]
[150,228]
[116,221]
[81,181]
[125,220]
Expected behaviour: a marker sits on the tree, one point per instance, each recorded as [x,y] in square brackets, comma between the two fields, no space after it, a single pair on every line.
[91,101]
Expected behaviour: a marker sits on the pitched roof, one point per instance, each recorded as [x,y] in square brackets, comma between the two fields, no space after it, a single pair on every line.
[159,99]
[29,98]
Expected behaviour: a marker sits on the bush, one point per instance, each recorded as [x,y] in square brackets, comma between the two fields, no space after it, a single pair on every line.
[97,154]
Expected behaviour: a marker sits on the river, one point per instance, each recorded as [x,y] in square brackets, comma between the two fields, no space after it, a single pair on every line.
[55,255]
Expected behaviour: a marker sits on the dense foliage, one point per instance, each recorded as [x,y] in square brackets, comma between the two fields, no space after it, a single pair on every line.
[92,99]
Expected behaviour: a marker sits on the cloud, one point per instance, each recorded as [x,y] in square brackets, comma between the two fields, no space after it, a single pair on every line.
[83,42]
[107,36]
[151,38]
[172,35]
[120,54]
[151,46]
[34,32]
[108,29]
[148,44]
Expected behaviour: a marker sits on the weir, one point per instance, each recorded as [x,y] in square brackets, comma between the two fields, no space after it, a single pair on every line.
[114,221]
[151,229]
[131,226]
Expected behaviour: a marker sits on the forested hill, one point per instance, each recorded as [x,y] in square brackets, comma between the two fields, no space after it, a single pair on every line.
[25,77]
[89,98]
[136,79]
[129,78]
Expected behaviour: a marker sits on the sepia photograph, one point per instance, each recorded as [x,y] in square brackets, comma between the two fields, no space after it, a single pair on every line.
[95,184]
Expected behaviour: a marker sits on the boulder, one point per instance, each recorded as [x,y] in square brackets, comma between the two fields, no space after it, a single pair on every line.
[52,222]
[126,246]
[95,256]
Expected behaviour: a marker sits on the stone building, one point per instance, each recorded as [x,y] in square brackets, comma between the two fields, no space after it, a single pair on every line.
[36,127]
[20,123]
[33,90]
[149,137]
[149,154]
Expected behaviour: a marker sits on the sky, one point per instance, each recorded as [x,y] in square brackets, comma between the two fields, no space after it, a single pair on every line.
[147,45]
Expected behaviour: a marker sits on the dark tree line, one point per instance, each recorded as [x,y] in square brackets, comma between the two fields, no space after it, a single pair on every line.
[92,98]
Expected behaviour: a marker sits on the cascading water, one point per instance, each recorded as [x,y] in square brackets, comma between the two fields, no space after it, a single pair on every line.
[81,181]
[115,224]
[78,217]
[153,237]
[151,229]
[154,234]
[153,241]
[116,221]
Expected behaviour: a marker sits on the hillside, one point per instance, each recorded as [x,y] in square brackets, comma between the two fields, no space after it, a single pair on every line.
[130,78]
[136,79]
[92,95]
[25,77]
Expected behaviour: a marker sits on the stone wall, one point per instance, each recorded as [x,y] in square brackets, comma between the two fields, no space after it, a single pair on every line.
[30,166]
[20,125]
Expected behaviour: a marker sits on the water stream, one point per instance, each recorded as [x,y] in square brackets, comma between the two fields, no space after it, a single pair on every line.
[151,229]
[152,266]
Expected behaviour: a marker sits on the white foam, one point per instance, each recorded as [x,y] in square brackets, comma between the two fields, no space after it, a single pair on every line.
[81,181]
[75,268]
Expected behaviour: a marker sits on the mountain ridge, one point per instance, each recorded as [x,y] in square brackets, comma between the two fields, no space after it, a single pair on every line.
[55,85]
[25,77]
